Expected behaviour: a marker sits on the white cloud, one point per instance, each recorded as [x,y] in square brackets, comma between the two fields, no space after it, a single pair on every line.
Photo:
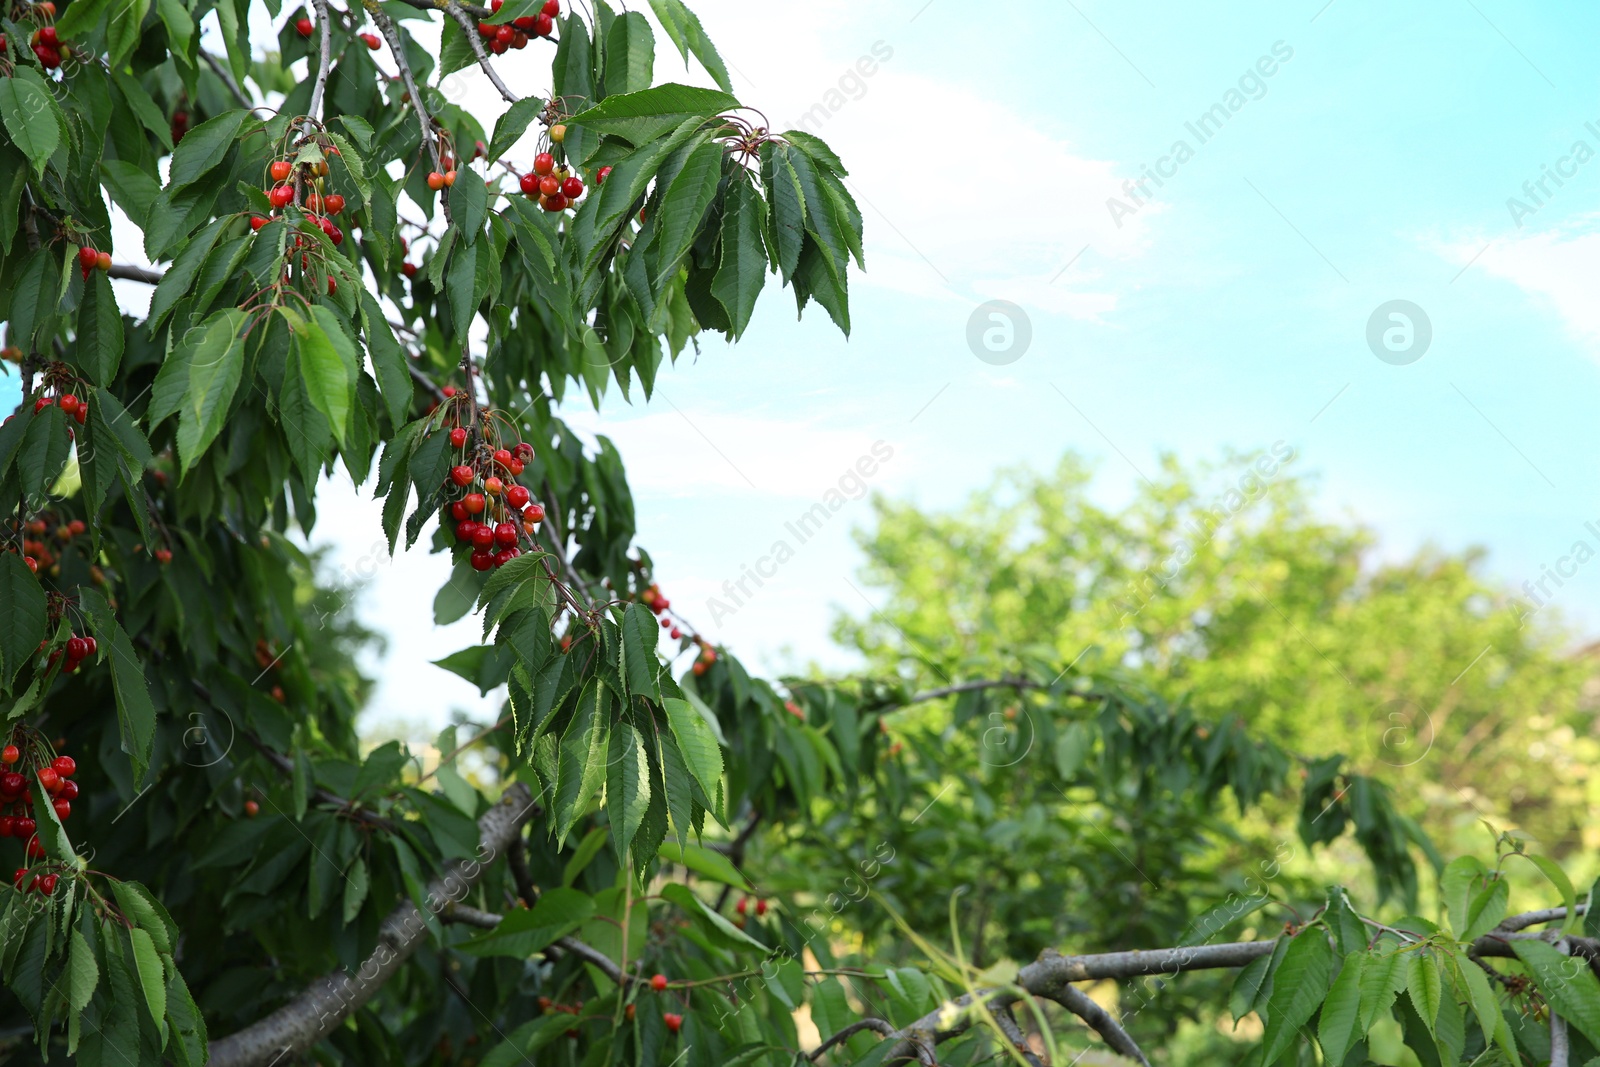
[1560,266]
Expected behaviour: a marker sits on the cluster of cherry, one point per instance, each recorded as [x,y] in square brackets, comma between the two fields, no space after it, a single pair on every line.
[46,43]
[54,778]
[499,37]
[494,513]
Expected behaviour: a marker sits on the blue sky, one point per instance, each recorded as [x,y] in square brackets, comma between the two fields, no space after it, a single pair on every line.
[1374,164]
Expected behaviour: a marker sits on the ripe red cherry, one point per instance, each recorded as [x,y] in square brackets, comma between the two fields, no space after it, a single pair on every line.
[10,754]
[47,884]
[49,58]
[12,784]
[523,23]
[69,404]
[281,195]
[256,222]
[458,437]
[487,30]
[761,907]
[280,170]
[529,184]
[462,475]
[517,496]
[673,1020]
[18,875]
[465,529]
[24,827]
[544,163]
[552,8]
[572,188]
[543,24]
[164,555]
[555,203]
[743,906]
[458,511]
[76,648]
[47,35]
[63,808]
[475,503]
[505,535]
[6,822]
[93,645]
[482,560]
[88,258]
[549,185]
[49,779]
[69,791]
[502,456]
[408,269]
[515,466]
[658,982]
[373,41]
[600,179]
[519,39]
[303,27]
[435,180]
[66,766]
[504,34]
[482,536]
[533,513]
[334,203]
[505,556]
[251,808]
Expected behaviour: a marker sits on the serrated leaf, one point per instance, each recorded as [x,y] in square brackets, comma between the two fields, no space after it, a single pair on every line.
[1558,878]
[214,367]
[204,147]
[136,715]
[582,757]
[100,331]
[629,54]
[147,963]
[83,974]
[512,124]
[697,744]
[1424,985]
[1567,984]
[641,117]
[1337,1028]
[1487,908]
[328,363]
[29,114]
[743,270]
[684,28]
[469,204]
[23,623]
[356,881]
[1299,985]
[627,787]
[704,862]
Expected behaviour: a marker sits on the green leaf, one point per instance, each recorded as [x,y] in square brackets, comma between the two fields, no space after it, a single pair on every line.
[203,148]
[100,331]
[151,977]
[52,836]
[683,208]
[1487,908]
[461,286]
[630,54]
[523,932]
[518,1047]
[146,913]
[215,366]
[641,667]
[30,115]
[455,52]
[1484,1004]
[1424,985]
[710,920]
[136,715]
[23,622]
[1456,887]
[1299,986]
[145,110]
[328,366]
[1336,1030]
[355,889]
[122,37]
[583,757]
[388,361]
[641,117]
[79,17]
[697,743]
[1558,878]
[704,862]
[1567,984]
[512,124]
[684,28]
[1382,978]
[627,787]
[743,270]
[469,204]
[83,974]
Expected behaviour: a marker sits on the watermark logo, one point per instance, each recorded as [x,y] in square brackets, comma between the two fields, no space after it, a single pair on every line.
[852,85]
[1399,332]
[1400,733]
[999,332]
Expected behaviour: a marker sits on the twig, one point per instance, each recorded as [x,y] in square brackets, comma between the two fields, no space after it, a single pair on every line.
[221,71]
[469,916]
[129,273]
[385,24]
[1560,1047]
[325,60]
[453,9]
[875,1025]
[517,861]
[1013,1033]
[972,687]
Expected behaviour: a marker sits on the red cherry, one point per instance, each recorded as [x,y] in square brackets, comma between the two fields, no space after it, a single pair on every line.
[543,24]
[465,529]
[502,456]
[6,823]
[600,179]
[458,437]
[504,34]
[280,195]
[49,58]
[515,466]
[49,779]
[499,47]
[373,41]
[408,269]
[572,188]
[666,624]
[164,555]
[69,404]
[88,258]
[334,203]
[549,185]
[533,513]
[462,476]
[69,791]
[251,808]
[517,496]
[18,875]
[12,784]
[505,556]
[93,645]
[744,905]
[482,537]
[552,8]
[448,390]
[761,907]
[280,170]
[493,485]
[303,27]
[458,511]
[66,766]
[487,29]
[529,184]
[256,222]
[33,564]
[47,884]
[555,203]
[63,808]
[450,177]
[523,451]
[520,40]
[482,560]
[104,261]
[24,827]
[658,982]
[673,1020]
[524,23]
[47,35]
[475,503]
[544,163]
[10,754]
[435,180]
[505,535]
[76,648]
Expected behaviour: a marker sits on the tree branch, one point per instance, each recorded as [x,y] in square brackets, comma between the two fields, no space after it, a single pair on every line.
[875,1025]
[517,860]
[324,61]
[1535,918]
[328,1001]
[385,24]
[1111,1032]
[129,273]
[468,27]
[972,687]
[221,71]
[1013,1033]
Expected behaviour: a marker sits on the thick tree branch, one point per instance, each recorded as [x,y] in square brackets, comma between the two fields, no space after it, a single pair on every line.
[517,861]
[328,1001]
[468,27]
[1013,1033]
[461,913]
[1535,918]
